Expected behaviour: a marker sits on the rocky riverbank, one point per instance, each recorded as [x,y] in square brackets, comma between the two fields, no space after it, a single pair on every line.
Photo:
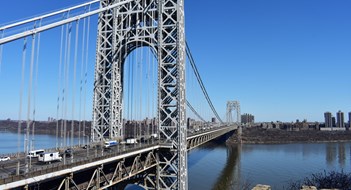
[257,135]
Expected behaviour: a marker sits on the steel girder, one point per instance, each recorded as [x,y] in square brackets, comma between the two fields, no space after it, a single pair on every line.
[158,24]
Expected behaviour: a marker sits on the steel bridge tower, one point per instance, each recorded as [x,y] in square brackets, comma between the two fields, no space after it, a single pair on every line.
[233,105]
[158,24]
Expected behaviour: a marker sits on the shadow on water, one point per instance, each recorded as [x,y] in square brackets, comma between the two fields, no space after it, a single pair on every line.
[212,145]
[198,155]
[230,175]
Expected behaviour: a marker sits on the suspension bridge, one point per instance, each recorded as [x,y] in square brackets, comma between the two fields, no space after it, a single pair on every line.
[138,59]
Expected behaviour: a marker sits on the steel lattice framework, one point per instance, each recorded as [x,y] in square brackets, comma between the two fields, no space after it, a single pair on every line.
[158,24]
[233,105]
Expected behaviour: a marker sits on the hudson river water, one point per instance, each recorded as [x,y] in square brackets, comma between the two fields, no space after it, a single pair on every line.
[218,166]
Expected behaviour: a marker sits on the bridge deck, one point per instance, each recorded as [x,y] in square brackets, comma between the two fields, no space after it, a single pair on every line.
[94,157]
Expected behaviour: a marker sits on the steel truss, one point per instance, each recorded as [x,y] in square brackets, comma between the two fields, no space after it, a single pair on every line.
[106,176]
[158,24]
[198,140]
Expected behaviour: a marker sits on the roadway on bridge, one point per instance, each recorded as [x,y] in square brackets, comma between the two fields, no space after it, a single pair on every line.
[8,168]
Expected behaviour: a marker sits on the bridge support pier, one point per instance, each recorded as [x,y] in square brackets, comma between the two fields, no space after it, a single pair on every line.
[240,131]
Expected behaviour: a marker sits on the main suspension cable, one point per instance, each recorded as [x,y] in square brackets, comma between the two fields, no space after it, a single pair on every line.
[194,111]
[196,72]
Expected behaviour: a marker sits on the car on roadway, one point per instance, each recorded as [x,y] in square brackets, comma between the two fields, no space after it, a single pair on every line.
[4,158]
[68,152]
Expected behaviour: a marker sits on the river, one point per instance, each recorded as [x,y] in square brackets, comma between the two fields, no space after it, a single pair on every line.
[9,142]
[219,166]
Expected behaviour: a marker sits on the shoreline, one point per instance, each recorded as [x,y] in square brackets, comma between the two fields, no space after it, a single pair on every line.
[256,135]
[294,142]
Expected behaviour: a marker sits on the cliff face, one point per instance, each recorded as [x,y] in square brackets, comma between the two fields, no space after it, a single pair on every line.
[43,127]
[256,135]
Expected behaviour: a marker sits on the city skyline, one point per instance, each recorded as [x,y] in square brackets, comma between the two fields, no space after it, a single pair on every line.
[277,58]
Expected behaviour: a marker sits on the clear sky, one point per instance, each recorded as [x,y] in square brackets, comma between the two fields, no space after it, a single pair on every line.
[282,59]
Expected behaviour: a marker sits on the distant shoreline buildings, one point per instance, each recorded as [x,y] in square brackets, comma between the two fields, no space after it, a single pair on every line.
[331,123]
[247,118]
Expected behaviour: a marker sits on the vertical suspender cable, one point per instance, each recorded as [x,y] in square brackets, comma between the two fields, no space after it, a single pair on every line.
[148,79]
[29,100]
[137,66]
[21,99]
[74,80]
[132,93]
[65,82]
[141,90]
[136,91]
[130,97]
[141,79]
[129,82]
[67,74]
[59,88]
[86,76]
[63,133]
[35,88]
[81,85]
[153,96]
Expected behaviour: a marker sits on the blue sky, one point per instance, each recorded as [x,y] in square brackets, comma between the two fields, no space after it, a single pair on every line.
[283,60]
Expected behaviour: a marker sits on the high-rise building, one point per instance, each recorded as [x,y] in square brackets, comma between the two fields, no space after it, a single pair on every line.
[333,122]
[247,118]
[340,119]
[328,119]
[349,119]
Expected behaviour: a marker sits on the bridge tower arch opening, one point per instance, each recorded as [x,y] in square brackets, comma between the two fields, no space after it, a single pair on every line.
[231,106]
[158,24]
[139,93]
